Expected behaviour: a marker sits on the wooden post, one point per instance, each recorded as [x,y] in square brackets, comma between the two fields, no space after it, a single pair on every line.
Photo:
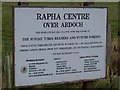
[87,84]
[23,3]
[108,53]
[108,44]
[8,72]
[88,4]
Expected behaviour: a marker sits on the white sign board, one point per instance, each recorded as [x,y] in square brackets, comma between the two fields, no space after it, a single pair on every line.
[59,44]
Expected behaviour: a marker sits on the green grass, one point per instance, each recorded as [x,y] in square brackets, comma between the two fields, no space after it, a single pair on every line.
[112,16]
[7,29]
[0,45]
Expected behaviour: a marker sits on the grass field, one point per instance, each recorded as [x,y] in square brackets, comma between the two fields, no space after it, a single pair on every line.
[7,29]
[112,16]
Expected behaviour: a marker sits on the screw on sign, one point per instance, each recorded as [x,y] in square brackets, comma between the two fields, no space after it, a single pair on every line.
[24,69]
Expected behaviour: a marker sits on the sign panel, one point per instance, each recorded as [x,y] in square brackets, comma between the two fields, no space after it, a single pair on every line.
[59,44]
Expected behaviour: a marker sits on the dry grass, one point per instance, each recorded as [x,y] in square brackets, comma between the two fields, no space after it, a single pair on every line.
[115,62]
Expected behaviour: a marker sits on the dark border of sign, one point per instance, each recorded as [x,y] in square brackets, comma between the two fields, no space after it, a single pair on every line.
[13,8]
[13,16]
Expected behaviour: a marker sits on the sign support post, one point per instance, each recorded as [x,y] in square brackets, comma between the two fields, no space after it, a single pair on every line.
[23,3]
[87,84]
[8,72]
